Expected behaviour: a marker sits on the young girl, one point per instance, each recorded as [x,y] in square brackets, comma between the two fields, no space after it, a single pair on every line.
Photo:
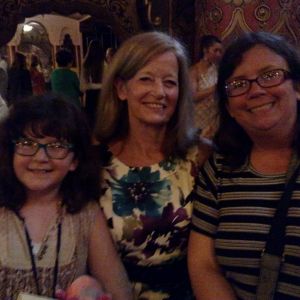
[50,229]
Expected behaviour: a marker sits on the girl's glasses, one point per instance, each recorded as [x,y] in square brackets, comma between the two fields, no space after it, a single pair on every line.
[271,78]
[55,150]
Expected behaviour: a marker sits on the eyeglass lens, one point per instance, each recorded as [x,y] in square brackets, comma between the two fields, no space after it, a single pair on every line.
[54,150]
[270,78]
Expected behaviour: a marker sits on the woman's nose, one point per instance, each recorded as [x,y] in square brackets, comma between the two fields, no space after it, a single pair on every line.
[255,89]
[159,89]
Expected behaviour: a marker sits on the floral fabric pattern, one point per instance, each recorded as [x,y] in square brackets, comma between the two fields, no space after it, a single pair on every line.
[140,189]
[149,211]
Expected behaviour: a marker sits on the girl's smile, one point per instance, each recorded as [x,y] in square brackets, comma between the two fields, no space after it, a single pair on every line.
[39,173]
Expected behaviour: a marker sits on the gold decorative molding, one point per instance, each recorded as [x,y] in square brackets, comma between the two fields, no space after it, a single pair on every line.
[237,3]
[236,24]
[157,20]
[262,13]
[283,25]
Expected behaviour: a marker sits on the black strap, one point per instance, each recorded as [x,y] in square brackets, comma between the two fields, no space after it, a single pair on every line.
[275,240]
[271,259]
[33,264]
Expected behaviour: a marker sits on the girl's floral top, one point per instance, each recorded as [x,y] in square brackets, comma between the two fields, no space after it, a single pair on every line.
[149,211]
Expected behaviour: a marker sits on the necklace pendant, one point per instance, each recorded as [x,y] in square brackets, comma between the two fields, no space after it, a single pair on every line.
[42,252]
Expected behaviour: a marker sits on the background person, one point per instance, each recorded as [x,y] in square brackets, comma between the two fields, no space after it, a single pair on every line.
[37,77]
[19,81]
[51,228]
[64,81]
[204,78]
[152,152]
[109,54]
[3,77]
[239,187]
[91,78]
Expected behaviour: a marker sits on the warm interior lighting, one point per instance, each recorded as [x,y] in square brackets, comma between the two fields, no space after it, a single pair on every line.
[27,28]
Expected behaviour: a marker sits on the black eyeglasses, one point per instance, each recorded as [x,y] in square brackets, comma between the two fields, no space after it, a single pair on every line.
[271,78]
[55,150]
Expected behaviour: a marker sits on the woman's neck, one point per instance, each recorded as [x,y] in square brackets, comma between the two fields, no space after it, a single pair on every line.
[268,160]
[140,147]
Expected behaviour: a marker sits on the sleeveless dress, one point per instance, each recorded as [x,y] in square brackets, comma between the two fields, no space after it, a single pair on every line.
[206,112]
[148,211]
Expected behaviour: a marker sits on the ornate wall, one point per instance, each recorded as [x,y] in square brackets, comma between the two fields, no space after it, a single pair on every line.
[121,15]
[126,17]
[229,18]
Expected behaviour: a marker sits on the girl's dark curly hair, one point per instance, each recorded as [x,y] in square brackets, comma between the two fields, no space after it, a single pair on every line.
[48,115]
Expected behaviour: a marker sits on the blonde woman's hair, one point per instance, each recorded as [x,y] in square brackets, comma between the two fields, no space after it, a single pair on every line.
[112,117]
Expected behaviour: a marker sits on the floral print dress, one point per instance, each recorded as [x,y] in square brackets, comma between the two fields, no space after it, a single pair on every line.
[149,211]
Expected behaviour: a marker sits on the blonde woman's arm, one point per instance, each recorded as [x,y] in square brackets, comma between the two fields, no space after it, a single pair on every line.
[105,264]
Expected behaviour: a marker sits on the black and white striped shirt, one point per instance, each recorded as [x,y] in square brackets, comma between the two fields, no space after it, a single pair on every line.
[236,209]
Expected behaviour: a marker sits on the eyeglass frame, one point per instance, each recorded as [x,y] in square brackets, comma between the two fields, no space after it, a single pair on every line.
[286,75]
[68,146]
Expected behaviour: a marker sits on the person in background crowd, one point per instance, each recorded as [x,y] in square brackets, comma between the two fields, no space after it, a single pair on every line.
[240,186]
[64,81]
[51,227]
[109,54]
[47,71]
[151,152]
[3,77]
[3,108]
[203,76]
[91,78]
[37,77]
[19,81]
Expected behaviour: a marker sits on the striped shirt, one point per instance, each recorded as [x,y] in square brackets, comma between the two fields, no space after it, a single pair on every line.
[236,209]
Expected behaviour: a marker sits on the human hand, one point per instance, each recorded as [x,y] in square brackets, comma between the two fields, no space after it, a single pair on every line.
[83,288]
[62,295]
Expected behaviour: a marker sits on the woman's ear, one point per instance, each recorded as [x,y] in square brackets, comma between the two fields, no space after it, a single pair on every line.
[73,165]
[297,89]
[121,89]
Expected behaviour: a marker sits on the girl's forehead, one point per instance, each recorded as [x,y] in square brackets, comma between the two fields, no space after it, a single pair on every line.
[39,130]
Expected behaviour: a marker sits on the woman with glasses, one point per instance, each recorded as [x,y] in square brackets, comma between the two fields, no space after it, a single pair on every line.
[239,187]
[51,228]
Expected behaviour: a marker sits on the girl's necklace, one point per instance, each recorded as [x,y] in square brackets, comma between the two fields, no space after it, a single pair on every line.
[32,258]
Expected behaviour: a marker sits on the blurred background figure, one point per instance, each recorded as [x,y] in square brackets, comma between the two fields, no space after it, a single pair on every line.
[37,77]
[19,80]
[47,71]
[91,78]
[64,81]
[3,77]
[204,78]
[110,52]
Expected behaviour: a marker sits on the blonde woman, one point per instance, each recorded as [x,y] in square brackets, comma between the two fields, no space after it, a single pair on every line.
[146,133]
